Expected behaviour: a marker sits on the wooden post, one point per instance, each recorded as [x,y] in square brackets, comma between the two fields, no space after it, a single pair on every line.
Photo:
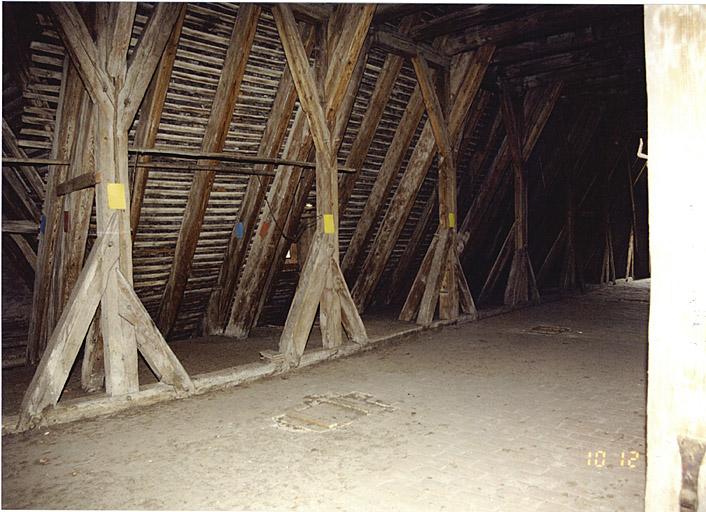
[675,52]
[321,279]
[471,68]
[288,194]
[538,106]
[116,90]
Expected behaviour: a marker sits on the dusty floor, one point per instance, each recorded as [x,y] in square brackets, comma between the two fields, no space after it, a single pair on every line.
[496,415]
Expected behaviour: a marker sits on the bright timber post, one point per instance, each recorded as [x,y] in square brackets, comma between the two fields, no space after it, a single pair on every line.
[116,90]
[675,52]
[321,280]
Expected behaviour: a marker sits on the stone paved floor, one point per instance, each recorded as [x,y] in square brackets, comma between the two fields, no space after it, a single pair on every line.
[487,417]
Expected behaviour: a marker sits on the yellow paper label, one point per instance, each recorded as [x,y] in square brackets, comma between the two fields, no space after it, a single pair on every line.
[329,225]
[452,220]
[116,196]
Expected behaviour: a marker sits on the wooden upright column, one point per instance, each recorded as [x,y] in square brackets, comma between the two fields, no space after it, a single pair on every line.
[116,90]
[321,281]
[675,52]
[440,278]
[521,284]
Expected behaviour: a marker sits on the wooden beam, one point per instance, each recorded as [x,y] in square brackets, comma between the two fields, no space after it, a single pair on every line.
[392,12]
[448,300]
[80,182]
[675,50]
[229,156]
[287,197]
[34,162]
[464,19]
[19,249]
[501,261]
[146,56]
[538,106]
[16,155]
[322,267]
[472,72]
[65,341]
[275,131]
[214,139]
[20,226]
[581,38]
[64,134]
[376,106]
[384,180]
[401,44]
[150,342]
[311,13]
[150,116]
[84,53]
[548,20]
[521,285]
[399,284]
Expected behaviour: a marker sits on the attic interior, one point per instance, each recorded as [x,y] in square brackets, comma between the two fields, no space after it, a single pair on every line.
[199,195]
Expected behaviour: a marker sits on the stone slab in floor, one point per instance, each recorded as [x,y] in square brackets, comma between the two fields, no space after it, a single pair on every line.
[485,417]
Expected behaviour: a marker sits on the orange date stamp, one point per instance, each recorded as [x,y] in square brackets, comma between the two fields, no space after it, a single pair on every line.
[605,458]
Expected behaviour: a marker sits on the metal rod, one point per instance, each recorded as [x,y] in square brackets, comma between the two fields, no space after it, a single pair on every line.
[227,156]
[184,166]
[180,153]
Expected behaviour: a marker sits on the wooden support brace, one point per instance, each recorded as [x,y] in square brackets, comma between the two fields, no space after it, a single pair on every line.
[321,280]
[150,341]
[65,341]
[83,181]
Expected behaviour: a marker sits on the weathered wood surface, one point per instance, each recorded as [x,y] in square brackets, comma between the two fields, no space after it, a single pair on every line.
[400,44]
[20,226]
[388,171]
[80,182]
[214,139]
[472,72]
[546,20]
[150,342]
[321,269]
[275,132]
[366,132]
[675,51]
[65,341]
[67,125]
[538,106]
[521,284]
[151,115]
[287,198]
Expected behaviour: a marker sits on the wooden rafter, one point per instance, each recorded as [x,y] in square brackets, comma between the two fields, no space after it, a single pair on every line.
[538,106]
[150,116]
[275,130]
[214,139]
[547,20]
[321,279]
[66,124]
[441,267]
[287,198]
[472,69]
[376,106]
[384,180]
